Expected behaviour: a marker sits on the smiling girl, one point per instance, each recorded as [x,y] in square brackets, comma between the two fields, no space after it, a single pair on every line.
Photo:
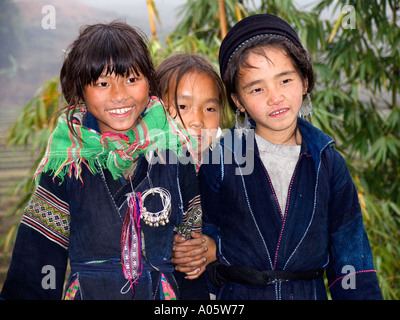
[100,203]
[296,216]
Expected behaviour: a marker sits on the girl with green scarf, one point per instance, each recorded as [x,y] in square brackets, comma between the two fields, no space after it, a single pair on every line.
[114,186]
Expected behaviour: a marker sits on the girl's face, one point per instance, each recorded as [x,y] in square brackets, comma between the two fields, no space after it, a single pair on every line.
[198,104]
[116,101]
[271,92]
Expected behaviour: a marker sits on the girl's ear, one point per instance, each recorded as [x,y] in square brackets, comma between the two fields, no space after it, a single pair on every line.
[236,100]
[305,87]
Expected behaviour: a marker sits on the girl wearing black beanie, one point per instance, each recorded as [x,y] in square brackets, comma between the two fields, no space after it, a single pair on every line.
[289,213]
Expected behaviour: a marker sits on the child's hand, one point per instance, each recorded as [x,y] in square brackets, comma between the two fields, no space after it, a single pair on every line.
[192,256]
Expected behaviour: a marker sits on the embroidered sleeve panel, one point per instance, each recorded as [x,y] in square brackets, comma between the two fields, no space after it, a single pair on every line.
[48,215]
[192,220]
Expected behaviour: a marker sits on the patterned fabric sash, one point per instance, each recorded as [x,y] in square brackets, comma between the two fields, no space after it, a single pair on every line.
[166,289]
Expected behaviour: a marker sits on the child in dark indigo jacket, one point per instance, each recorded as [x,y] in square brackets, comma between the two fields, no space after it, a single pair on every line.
[194,95]
[108,200]
[277,197]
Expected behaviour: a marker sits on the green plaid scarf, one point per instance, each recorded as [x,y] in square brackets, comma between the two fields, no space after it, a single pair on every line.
[157,131]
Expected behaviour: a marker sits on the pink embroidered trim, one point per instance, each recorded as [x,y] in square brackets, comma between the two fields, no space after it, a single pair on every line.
[72,290]
[131,239]
[168,292]
[362,271]
[287,203]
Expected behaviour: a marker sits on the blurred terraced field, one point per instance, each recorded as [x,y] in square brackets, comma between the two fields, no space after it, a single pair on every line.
[14,165]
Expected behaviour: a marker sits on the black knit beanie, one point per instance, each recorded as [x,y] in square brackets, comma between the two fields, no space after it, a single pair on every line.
[250,28]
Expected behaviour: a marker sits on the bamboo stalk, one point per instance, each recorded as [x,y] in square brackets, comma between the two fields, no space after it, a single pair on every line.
[238,13]
[150,9]
[222,18]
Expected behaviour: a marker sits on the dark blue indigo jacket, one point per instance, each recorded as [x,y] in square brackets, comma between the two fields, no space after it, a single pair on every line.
[322,226]
[82,224]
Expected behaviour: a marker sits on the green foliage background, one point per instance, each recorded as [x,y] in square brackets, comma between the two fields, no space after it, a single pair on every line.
[356,57]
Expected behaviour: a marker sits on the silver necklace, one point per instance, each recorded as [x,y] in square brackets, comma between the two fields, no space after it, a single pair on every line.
[155,219]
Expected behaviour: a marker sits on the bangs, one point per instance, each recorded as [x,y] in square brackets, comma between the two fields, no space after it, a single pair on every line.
[104,49]
[111,52]
[110,55]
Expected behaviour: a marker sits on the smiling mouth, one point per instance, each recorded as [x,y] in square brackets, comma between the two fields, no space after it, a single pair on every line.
[278,112]
[120,110]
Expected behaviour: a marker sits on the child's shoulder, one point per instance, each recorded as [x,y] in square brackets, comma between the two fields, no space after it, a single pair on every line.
[314,135]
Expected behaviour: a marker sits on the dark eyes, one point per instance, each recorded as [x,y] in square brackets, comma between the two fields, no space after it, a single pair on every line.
[132,80]
[283,82]
[256,90]
[286,81]
[105,83]
[184,107]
